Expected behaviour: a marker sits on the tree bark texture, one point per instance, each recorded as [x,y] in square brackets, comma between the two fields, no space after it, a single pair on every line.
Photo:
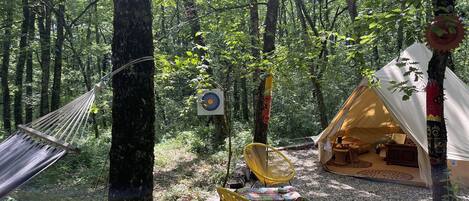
[57,82]
[255,47]
[254,28]
[321,106]
[133,108]
[18,102]
[244,99]
[5,65]
[29,71]
[193,18]
[44,24]
[263,102]
[436,126]
[352,9]
[236,97]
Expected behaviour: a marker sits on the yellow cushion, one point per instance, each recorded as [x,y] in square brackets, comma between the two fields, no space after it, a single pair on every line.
[227,195]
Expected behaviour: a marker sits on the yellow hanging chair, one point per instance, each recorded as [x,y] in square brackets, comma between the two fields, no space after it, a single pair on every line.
[268,164]
[227,195]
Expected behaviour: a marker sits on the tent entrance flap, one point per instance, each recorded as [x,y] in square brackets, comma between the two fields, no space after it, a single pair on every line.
[367,119]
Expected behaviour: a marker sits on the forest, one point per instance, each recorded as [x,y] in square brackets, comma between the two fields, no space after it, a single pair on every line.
[130,75]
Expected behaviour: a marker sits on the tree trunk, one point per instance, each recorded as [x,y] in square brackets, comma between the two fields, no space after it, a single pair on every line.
[353,12]
[315,76]
[400,29]
[5,65]
[87,73]
[244,99]
[262,112]
[352,9]
[193,18]
[18,105]
[29,71]
[254,28]
[270,26]
[254,34]
[436,126]
[55,102]
[133,108]
[44,25]
[97,39]
[220,121]
[236,97]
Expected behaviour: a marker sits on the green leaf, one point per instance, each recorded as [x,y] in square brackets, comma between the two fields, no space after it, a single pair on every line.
[405,97]
[94,109]
[199,33]
[400,64]
[438,31]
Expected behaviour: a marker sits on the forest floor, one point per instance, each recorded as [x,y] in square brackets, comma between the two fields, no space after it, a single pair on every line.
[181,175]
[314,183]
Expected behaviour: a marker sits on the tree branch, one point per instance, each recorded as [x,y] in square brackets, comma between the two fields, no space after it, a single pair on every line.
[222,9]
[83,12]
[337,14]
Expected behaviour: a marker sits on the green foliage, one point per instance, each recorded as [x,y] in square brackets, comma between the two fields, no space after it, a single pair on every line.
[353,50]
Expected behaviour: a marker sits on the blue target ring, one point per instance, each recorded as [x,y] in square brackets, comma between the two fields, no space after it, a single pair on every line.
[210,101]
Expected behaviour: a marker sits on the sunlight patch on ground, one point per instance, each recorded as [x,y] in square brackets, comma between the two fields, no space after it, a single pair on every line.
[181,175]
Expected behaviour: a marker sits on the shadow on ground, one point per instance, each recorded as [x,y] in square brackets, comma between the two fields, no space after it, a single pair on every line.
[314,183]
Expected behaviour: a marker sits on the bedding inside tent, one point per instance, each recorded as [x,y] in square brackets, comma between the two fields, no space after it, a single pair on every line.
[367,125]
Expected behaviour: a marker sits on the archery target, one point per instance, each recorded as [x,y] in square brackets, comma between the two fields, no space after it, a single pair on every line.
[210,102]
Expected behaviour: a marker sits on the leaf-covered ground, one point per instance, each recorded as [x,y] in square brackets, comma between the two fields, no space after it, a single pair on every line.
[179,174]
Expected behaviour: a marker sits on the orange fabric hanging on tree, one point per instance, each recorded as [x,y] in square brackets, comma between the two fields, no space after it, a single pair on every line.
[267,99]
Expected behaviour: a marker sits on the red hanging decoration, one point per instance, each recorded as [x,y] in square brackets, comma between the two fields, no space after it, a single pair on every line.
[266,109]
[434,101]
[445,33]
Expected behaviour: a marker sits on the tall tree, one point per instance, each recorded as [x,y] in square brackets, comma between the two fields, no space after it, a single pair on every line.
[255,50]
[44,24]
[220,121]
[254,28]
[18,104]
[59,41]
[244,97]
[260,125]
[6,64]
[436,127]
[133,108]
[29,70]
[315,72]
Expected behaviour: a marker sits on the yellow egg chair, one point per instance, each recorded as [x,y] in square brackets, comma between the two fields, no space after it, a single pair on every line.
[227,195]
[269,165]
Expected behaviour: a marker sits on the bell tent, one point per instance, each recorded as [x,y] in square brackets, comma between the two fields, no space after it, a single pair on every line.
[376,134]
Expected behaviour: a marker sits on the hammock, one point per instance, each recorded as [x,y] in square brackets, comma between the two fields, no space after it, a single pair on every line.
[37,145]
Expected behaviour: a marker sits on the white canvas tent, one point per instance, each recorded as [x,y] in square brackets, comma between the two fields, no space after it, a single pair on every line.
[371,112]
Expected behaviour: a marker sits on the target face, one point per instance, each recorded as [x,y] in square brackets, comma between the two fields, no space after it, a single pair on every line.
[210,101]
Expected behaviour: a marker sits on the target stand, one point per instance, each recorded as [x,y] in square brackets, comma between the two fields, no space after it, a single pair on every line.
[210,102]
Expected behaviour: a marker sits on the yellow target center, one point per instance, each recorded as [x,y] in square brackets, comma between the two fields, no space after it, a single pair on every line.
[210,101]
